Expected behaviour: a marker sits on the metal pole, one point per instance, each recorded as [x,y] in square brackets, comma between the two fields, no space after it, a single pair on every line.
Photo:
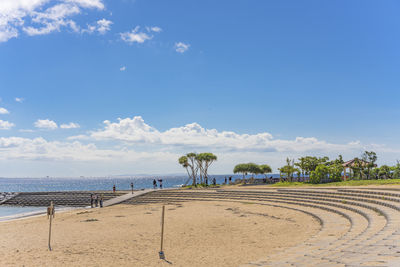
[161,253]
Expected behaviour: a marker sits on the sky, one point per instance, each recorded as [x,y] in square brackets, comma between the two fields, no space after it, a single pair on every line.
[101,87]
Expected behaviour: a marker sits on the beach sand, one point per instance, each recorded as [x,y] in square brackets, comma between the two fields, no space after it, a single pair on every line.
[196,234]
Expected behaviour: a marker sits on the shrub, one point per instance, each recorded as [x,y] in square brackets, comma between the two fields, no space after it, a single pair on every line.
[321,173]
[335,173]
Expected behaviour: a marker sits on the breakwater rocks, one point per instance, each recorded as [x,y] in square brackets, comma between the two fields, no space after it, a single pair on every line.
[64,198]
[4,196]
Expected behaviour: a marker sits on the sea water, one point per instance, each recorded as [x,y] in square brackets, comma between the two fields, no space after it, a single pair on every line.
[7,211]
[88,184]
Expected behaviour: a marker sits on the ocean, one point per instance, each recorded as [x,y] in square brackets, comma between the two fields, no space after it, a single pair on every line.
[87,184]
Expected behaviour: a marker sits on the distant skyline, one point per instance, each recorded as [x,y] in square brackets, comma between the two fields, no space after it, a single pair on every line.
[97,88]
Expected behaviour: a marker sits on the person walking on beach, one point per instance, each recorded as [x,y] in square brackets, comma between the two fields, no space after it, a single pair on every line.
[160,181]
[154,184]
[91,200]
[101,200]
[230,179]
[214,181]
[96,200]
[132,187]
[225,180]
[114,189]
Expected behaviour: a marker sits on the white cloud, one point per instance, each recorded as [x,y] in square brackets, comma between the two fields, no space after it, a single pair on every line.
[4,111]
[153,29]
[43,150]
[5,125]
[102,26]
[38,17]
[131,145]
[88,3]
[52,19]
[70,125]
[46,124]
[181,47]
[193,136]
[135,36]
[26,131]
[123,68]
[7,33]
[19,99]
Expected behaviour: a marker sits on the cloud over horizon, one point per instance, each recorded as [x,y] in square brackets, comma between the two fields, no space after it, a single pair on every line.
[131,145]
[194,136]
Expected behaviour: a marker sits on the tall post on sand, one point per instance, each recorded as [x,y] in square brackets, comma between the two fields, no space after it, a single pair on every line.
[50,215]
[161,253]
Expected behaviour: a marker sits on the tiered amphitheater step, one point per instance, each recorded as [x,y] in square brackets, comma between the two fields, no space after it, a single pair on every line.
[371,236]
[69,199]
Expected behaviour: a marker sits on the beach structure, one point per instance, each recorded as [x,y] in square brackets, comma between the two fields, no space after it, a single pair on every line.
[348,165]
[62,198]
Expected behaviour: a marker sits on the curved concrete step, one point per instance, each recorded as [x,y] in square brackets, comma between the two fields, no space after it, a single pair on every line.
[371,238]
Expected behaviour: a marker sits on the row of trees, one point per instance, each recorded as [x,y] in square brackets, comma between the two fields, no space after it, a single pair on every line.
[245,168]
[317,169]
[321,169]
[197,166]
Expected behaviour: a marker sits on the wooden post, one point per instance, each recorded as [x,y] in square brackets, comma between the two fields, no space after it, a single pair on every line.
[50,215]
[161,253]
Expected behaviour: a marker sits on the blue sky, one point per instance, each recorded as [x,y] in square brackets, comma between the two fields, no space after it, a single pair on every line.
[249,80]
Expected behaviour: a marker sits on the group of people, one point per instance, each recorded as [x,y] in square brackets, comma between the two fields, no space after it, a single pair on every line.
[155,183]
[95,200]
[230,180]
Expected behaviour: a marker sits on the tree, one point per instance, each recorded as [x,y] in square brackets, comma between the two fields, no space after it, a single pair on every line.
[288,170]
[302,165]
[241,168]
[254,169]
[188,163]
[265,169]
[207,159]
[320,173]
[396,171]
[200,167]
[184,162]
[338,161]
[385,172]
[197,164]
[335,172]
[192,164]
[311,163]
[369,158]
[358,168]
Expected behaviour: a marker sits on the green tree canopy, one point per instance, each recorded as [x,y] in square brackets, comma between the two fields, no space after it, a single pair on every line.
[288,170]
[265,169]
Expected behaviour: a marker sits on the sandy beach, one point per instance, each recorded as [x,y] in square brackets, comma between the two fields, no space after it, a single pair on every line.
[196,234]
